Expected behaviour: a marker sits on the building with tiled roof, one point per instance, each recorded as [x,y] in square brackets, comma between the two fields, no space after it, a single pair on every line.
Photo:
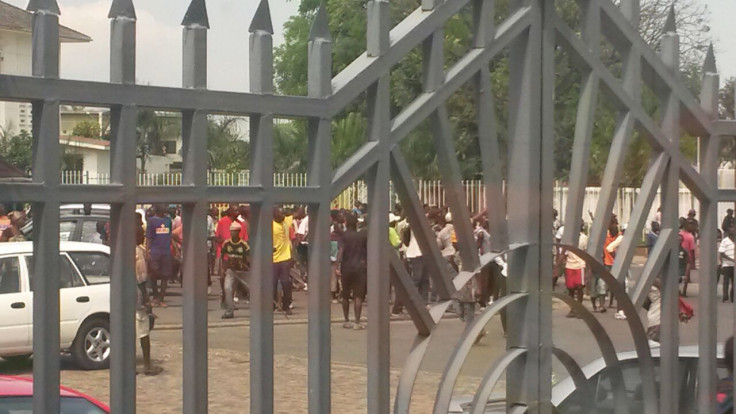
[15,19]
[15,59]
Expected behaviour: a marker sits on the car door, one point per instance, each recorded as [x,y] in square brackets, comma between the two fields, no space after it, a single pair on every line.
[15,307]
[74,301]
[95,269]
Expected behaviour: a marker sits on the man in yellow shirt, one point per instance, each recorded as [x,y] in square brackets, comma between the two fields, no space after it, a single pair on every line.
[281,258]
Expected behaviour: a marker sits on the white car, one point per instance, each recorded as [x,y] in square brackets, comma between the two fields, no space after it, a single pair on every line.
[84,302]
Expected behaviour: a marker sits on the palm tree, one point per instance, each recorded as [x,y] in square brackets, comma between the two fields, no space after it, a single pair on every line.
[152,129]
[226,150]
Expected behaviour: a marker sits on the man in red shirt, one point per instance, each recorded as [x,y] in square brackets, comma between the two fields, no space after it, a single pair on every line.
[688,244]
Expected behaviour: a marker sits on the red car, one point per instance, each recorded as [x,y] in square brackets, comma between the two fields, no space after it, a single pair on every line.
[16,397]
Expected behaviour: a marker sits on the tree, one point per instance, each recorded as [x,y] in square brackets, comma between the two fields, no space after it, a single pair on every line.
[151,130]
[727,110]
[348,28]
[289,147]
[226,149]
[727,99]
[17,149]
[89,129]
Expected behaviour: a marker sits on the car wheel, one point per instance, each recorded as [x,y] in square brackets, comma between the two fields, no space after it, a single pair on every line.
[91,347]
[16,359]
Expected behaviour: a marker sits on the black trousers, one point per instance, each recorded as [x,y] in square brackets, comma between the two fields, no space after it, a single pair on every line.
[727,280]
[281,274]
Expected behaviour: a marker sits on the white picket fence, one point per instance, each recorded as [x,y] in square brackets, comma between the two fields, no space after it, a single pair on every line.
[431,192]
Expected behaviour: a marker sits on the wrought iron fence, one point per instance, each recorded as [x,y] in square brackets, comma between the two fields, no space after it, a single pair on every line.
[530,33]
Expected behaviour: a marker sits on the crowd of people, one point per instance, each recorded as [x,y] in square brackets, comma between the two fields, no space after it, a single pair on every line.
[579,280]
[229,257]
[159,256]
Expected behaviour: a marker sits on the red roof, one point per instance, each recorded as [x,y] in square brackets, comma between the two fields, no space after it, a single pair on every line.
[8,170]
[84,140]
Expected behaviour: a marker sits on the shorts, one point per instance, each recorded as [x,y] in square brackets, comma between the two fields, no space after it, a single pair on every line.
[598,288]
[573,278]
[355,281]
[142,324]
[161,266]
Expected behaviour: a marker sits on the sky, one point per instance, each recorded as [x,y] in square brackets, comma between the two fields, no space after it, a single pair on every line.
[159,39]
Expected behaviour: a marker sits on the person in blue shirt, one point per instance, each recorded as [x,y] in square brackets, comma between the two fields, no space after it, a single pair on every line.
[158,249]
[652,236]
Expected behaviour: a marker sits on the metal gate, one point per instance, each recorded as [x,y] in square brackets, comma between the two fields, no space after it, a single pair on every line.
[530,34]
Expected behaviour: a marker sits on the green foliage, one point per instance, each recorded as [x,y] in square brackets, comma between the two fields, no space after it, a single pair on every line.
[348,28]
[17,149]
[89,129]
[727,111]
[152,129]
[226,149]
[727,99]
[290,147]
[347,137]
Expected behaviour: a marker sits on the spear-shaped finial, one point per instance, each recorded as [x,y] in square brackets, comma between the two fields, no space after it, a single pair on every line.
[262,19]
[48,6]
[670,25]
[320,26]
[122,8]
[196,15]
[709,66]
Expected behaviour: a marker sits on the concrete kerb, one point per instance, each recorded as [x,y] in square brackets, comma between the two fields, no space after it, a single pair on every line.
[284,322]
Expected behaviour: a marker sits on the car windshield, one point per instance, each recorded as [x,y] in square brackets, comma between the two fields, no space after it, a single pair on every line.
[69,405]
[599,397]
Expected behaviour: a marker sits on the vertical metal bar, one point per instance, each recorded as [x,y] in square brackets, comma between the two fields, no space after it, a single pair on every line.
[46,167]
[379,290]
[122,224]
[707,338]
[495,202]
[122,42]
[526,329]
[261,240]
[530,128]
[583,127]
[194,249]
[669,370]
[319,57]
[546,238]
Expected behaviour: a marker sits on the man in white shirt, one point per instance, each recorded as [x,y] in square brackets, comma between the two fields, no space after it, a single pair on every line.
[302,245]
[727,261]
[417,268]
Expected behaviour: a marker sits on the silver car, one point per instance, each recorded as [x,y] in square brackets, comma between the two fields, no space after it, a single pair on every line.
[569,400]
